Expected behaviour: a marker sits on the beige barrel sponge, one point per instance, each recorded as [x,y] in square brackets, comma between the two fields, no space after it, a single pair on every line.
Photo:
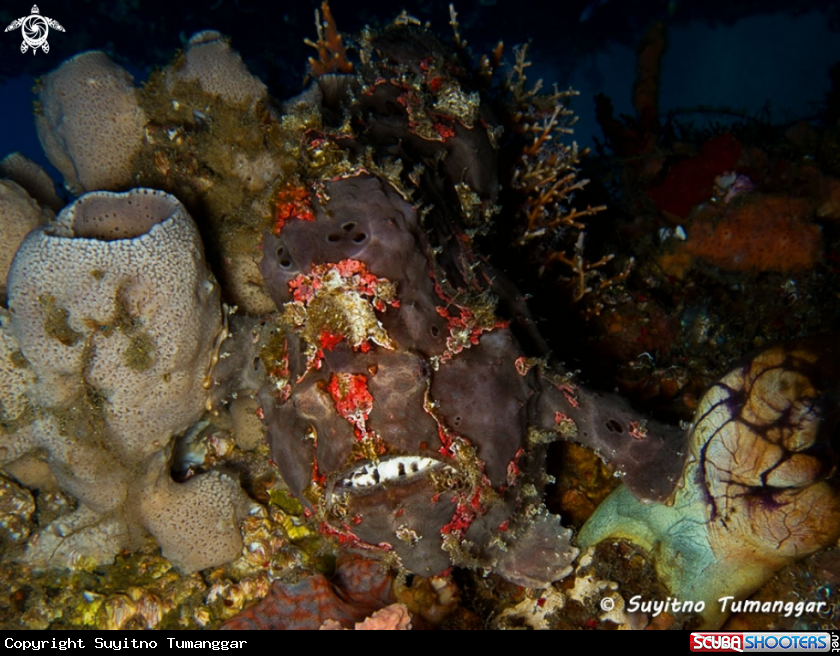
[16,379]
[114,325]
[19,213]
[115,301]
[90,123]
[33,178]
[210,61]
[193,522]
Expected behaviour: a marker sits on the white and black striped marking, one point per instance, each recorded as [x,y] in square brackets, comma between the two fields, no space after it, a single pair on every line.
[396,469]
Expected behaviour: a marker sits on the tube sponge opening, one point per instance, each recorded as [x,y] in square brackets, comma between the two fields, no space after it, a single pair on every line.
[107,217]
[134,322]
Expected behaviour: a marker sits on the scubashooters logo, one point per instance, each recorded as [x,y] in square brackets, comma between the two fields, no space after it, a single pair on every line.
[791,641]
[35,29]
[717,642]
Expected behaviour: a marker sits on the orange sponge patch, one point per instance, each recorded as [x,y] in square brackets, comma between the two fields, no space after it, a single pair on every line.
[764,233]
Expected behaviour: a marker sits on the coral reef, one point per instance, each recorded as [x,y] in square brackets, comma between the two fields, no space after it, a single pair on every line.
[733,253]
[733,245]
[366,229]
[367,305]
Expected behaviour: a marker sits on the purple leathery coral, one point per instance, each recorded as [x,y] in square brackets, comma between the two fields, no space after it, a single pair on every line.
[109,370]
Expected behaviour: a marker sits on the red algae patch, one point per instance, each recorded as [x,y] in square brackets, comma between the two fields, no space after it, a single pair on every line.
[764,233]
[692,181]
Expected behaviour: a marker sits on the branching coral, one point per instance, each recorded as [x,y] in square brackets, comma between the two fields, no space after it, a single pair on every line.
[547,176]
[332,57]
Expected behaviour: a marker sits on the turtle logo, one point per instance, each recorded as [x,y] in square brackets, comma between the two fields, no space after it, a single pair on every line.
[35,29]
